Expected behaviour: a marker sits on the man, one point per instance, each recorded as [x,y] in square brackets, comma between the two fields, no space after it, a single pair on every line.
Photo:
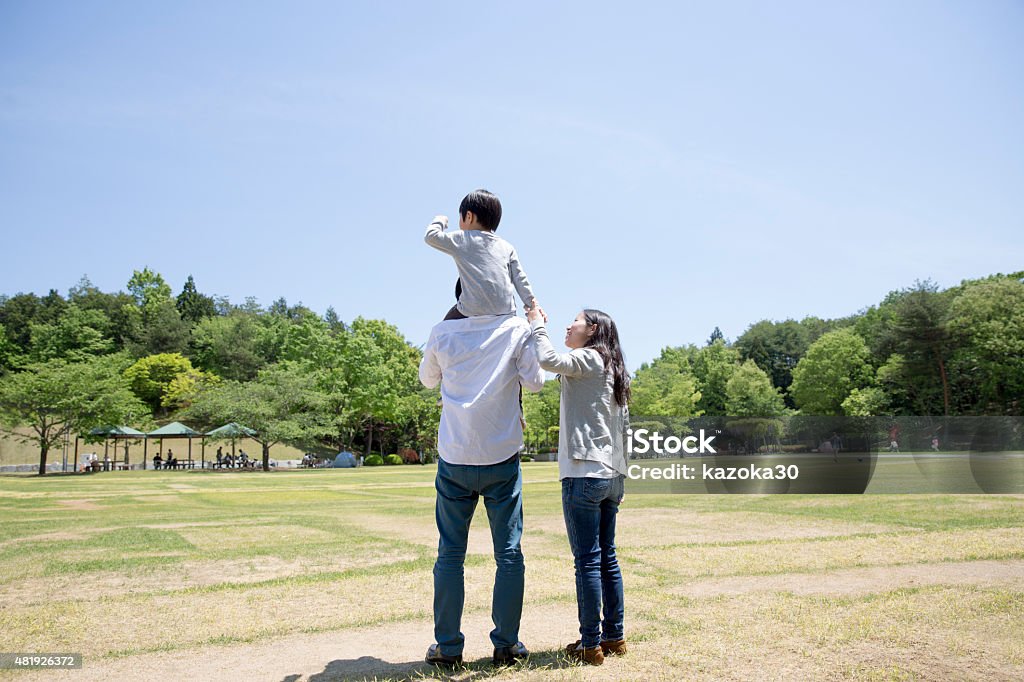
[480,362]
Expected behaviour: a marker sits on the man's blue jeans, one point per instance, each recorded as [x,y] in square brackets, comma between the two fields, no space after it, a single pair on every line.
[458,489]
[589,506]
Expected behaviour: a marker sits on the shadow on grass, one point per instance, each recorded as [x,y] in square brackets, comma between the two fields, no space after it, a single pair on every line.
[372,668]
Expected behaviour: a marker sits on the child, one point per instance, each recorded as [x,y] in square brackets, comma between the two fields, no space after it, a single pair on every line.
[489,268]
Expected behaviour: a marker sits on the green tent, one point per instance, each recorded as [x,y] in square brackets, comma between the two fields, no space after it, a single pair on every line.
[232,432]
[114,433]
[174,430]
[177,430]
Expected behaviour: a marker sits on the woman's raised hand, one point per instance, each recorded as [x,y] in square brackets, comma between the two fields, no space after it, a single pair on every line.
[532,313]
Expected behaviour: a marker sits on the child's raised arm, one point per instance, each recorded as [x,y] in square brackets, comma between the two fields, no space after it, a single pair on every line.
[437,237]
[520,282]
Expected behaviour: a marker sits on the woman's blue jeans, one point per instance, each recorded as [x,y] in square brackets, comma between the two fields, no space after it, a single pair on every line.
[459,488]
[589,506]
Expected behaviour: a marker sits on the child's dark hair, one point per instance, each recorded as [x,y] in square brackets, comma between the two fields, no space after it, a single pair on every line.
[485,206]
[606,342]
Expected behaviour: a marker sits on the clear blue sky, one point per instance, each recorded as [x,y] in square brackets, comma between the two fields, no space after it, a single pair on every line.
[679,165]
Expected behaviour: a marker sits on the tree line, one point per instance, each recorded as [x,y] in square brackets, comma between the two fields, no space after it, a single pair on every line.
[93,358]
[137,357]
[920,351]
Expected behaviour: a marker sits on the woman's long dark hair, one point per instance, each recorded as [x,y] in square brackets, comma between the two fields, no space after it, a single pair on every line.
[606,342]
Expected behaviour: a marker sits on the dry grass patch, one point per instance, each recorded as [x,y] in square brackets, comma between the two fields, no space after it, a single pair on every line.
[240,536]
[160,498]
[659,527]
[859,581]
[935,633]
[421,530]
[79,505]
[770,558]
[189,619]
[101,585]
[57,536]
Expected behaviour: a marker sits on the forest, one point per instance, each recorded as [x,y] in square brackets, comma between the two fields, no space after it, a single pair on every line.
[145,356]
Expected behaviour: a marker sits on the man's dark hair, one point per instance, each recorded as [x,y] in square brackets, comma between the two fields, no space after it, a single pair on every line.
[485,206]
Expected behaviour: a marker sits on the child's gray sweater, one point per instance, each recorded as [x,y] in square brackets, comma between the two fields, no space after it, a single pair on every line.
[488,267]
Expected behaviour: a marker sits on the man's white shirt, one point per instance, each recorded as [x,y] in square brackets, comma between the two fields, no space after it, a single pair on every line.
[480,363]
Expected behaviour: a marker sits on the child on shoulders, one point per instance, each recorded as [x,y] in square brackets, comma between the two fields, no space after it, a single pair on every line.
[489,269]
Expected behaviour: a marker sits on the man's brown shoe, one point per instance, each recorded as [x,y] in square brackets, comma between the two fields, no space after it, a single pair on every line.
[614,647]
[591,655]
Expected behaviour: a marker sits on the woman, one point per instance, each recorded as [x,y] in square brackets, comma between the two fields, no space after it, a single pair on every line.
[592,467]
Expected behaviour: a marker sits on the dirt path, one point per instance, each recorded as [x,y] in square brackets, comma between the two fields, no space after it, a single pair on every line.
[388,651]
[395,650]
[856,581]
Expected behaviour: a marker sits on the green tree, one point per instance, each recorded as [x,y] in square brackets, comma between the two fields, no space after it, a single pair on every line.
[777,347]
[55,398]
[6,350]
[17,313]
[155,323]
[185,387]
[713,366]
[666,387]
[749,393]
[229,346]
[922,338]
[893,380]
[281,405]
[123,319]
[870,401]
[308,340]
[541,413]
[163,331]
[151,378]
[986,324]
[377,368]
[149,290]
[334,323]
[877,326]
[834,365]
[76,336]
[192,305]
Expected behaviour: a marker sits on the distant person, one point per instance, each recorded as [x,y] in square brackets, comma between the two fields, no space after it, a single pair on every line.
[836,443]
[935,443]
[157,461]
[894,438]
[592,467]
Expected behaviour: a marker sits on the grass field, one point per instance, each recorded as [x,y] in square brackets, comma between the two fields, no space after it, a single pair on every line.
[326,575]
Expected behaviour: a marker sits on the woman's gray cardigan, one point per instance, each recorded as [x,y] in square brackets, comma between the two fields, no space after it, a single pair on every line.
[591,424]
